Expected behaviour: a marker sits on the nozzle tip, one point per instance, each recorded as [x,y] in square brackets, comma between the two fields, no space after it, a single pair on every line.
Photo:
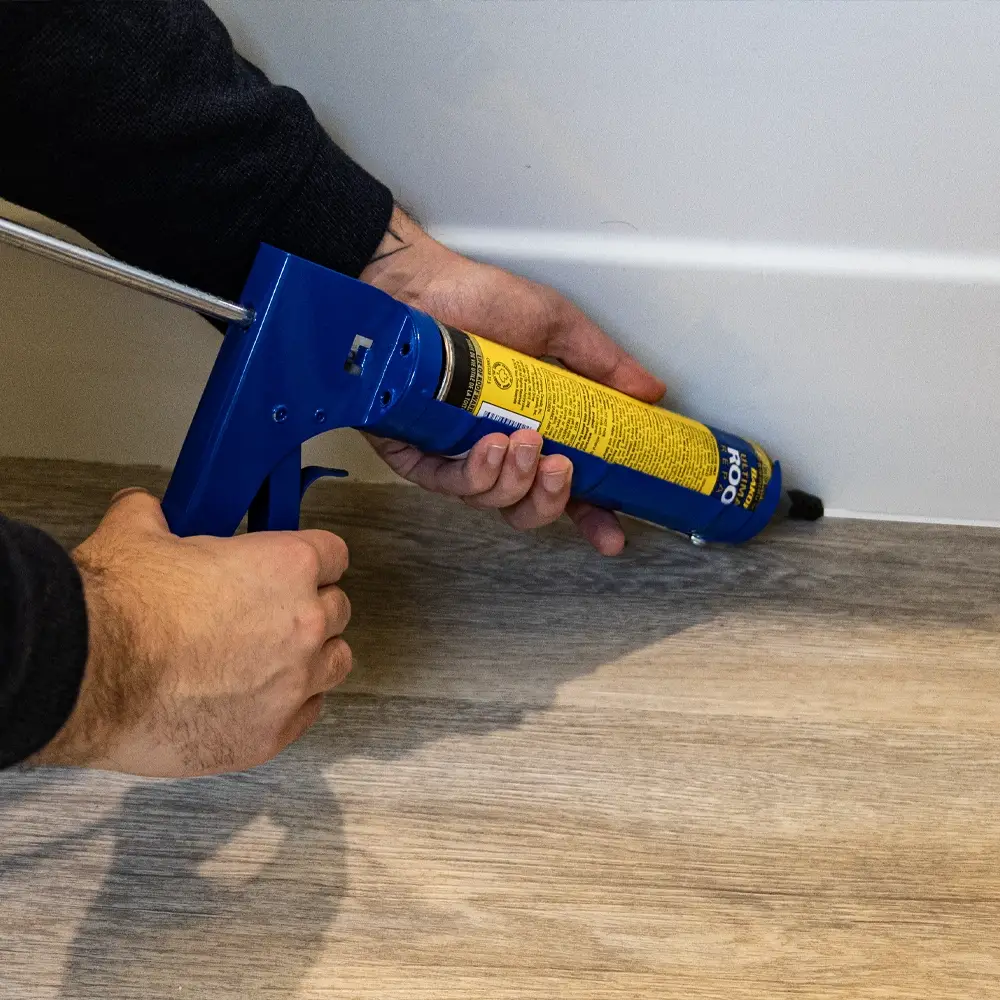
[804,506]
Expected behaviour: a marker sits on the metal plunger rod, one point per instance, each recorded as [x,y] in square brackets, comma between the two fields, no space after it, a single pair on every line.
[124,274]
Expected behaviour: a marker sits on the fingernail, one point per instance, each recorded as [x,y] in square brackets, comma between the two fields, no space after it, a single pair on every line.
[553,482]
[525,455]
[494,455]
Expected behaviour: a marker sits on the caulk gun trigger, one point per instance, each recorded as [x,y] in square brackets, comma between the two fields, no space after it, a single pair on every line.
[311,473]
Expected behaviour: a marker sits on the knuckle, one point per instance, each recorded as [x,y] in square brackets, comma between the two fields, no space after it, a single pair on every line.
[338,609]
[341,652]
[340,661]
[513,493]
[545,506]
[509,490]
[310,625]
[530,515]
[518,519]
[458,482]
[344,609]
[474,474]
[332,557]
[546,517]
[481,501]
[308,559]
[475,481]
[474,487]
[343,554]
[298,555]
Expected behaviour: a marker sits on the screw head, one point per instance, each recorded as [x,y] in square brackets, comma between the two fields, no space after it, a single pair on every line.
[319,416]
[280,413]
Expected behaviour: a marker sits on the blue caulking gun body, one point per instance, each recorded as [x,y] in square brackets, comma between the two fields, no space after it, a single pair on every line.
[326,351]
[308,350]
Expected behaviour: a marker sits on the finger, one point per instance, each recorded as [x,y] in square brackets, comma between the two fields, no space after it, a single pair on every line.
[336,608]
[547,498]
[583,346]
[516,474]
[330,666]
[332,552]
[599,527]
[475,473]
[400,457]
[137,510]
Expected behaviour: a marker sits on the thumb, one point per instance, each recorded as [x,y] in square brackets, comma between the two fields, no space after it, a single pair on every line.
[136,509]
[585,348]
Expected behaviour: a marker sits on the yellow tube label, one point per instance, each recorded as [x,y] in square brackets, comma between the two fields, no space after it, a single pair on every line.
[521,391]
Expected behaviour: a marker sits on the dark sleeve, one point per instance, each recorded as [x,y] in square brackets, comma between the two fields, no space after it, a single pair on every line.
[138,125]
[43,639]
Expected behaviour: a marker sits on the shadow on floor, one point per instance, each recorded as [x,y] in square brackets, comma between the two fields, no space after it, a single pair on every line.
[461,628]
[159,919]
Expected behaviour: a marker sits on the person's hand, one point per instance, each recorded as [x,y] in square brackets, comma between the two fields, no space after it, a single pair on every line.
[206,654]
[501,472]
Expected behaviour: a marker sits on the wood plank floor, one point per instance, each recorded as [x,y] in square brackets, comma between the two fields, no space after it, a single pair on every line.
[765,772]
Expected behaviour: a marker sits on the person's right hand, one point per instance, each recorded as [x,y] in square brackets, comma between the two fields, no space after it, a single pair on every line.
[206,654]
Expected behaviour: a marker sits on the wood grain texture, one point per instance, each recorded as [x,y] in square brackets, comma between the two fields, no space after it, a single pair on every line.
[765,772]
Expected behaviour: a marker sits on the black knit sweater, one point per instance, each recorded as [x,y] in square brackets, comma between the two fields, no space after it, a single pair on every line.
[139,125]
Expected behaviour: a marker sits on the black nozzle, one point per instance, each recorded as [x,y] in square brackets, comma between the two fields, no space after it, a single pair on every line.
[804,506]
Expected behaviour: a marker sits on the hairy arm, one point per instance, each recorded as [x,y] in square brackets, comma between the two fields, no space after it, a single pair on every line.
[139,125]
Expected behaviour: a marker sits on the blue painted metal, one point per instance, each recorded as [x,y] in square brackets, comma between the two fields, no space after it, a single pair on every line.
[326,351]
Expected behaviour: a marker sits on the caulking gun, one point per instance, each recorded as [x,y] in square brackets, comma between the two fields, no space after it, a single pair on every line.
[308,349]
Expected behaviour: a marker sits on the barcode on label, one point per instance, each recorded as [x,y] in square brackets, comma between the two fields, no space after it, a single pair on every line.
[513,420]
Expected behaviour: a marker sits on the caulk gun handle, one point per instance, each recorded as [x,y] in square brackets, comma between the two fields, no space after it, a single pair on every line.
[276,384]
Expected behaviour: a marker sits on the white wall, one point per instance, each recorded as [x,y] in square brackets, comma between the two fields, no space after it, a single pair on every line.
[794,125]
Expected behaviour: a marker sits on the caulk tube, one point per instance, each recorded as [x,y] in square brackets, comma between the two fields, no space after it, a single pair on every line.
[628,456]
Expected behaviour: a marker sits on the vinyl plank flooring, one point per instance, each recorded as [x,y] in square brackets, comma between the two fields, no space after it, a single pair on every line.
[771,771]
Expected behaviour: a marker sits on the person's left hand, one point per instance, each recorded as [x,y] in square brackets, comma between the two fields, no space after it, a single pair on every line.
[503,472]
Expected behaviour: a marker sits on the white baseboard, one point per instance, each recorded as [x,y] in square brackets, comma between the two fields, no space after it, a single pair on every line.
[911,519]
[615,249]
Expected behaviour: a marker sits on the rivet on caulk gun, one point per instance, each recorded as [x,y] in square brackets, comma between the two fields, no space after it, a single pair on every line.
[319,416]
[280,413]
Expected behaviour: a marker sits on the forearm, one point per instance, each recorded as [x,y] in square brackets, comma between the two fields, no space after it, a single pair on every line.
[140,126]
[43,639]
